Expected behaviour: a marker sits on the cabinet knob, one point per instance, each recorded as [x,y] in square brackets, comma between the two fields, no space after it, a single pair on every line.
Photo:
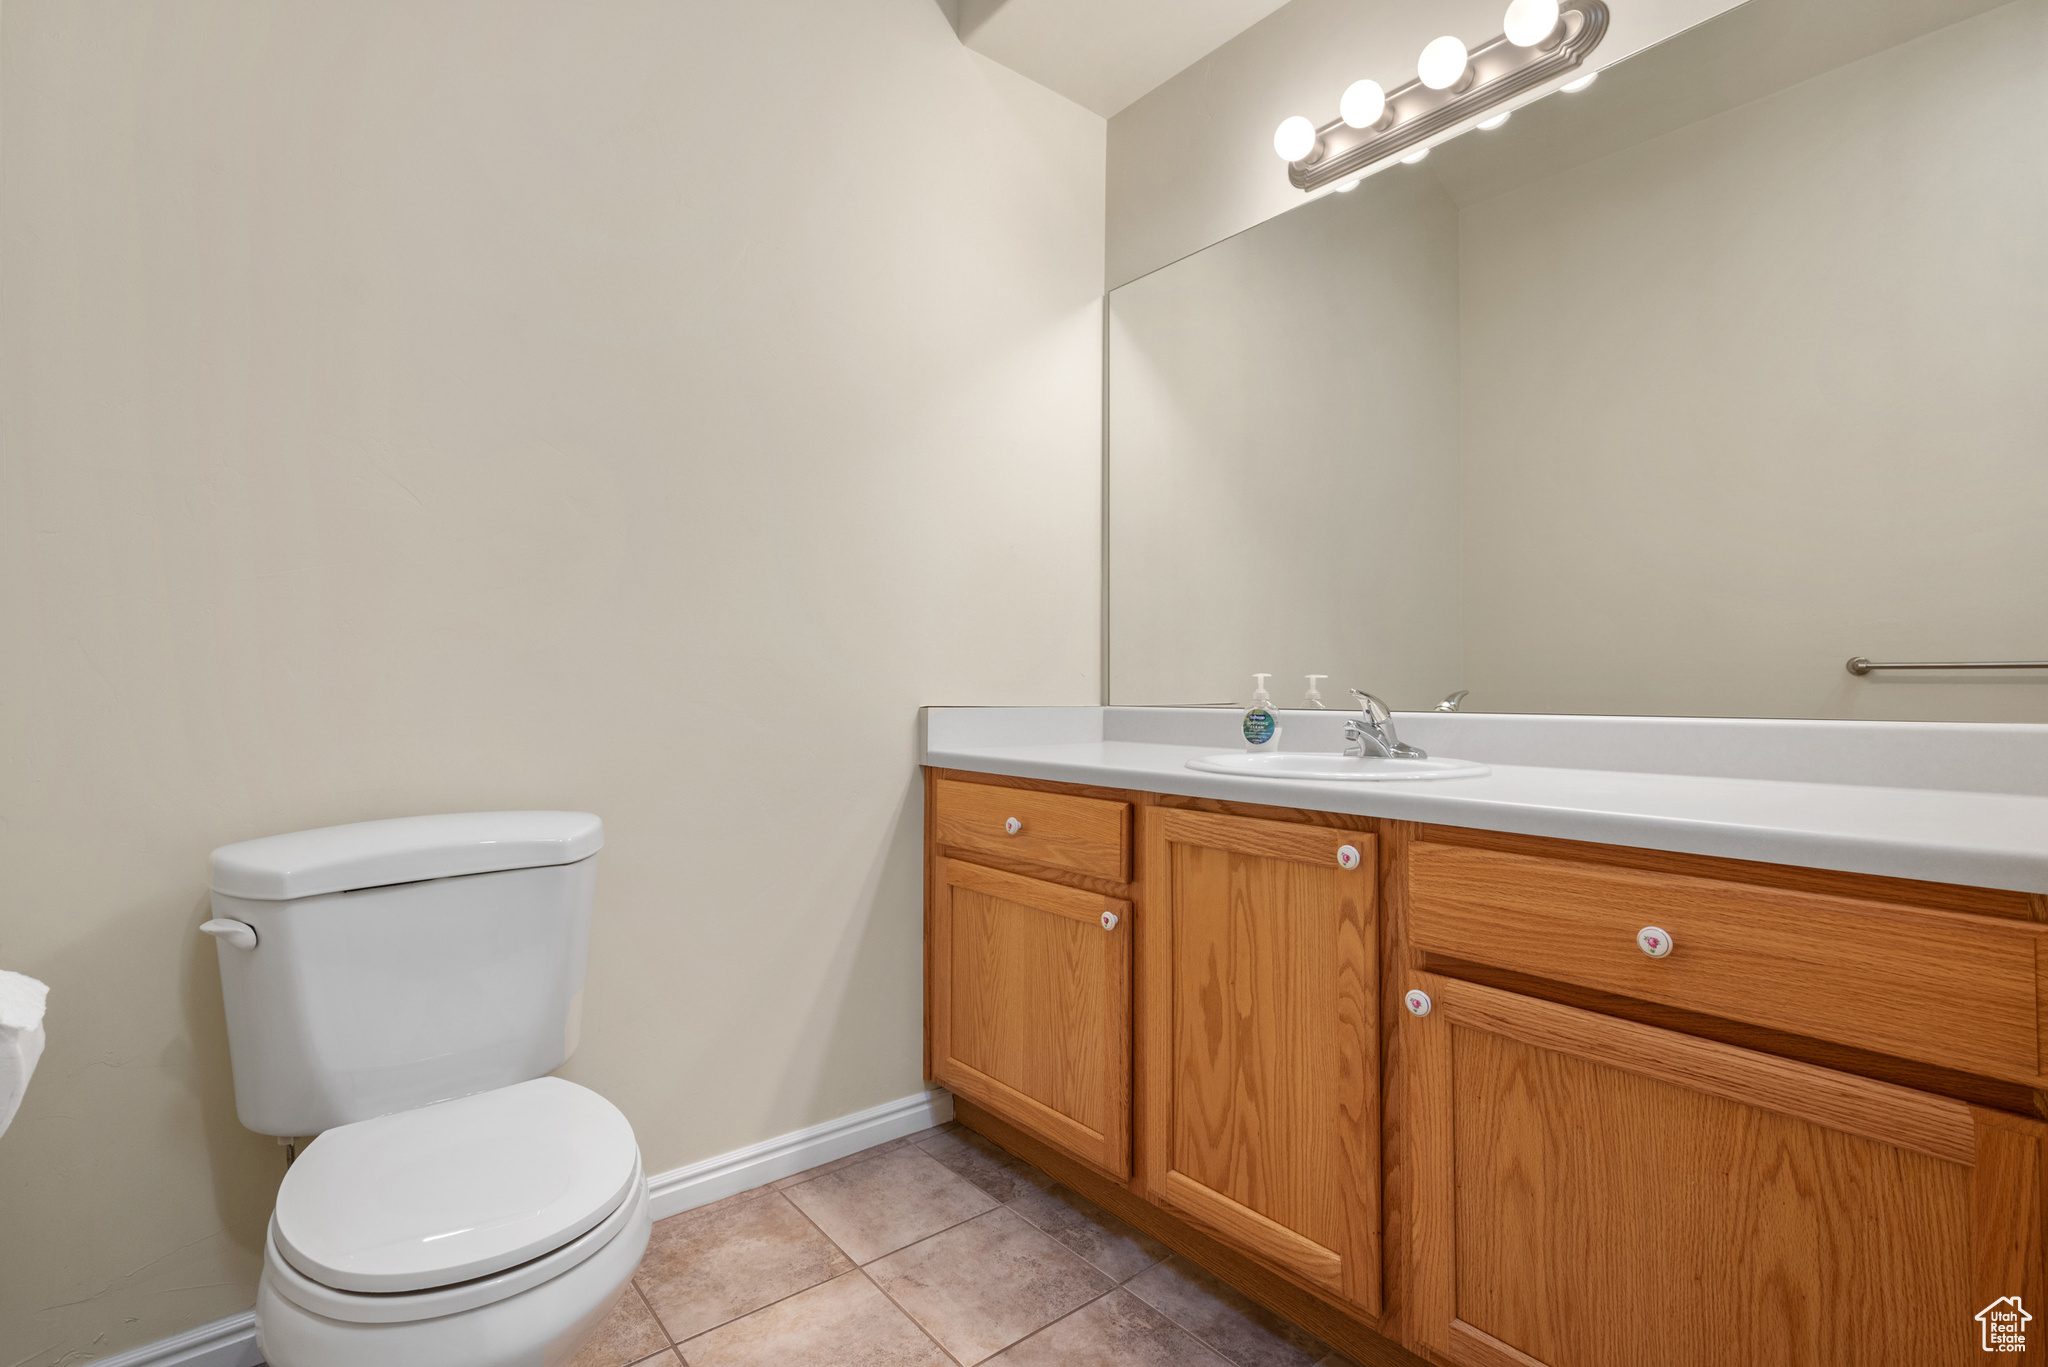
[1654,941]
[1347,856]
[1109,920]
[1013,826]
[1418,1002]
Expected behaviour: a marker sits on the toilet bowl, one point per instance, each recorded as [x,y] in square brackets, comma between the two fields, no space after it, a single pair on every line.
[496,1230]
[401,990]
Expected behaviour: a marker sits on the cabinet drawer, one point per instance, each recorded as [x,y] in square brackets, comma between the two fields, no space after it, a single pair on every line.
[1088,835]
[1941,987]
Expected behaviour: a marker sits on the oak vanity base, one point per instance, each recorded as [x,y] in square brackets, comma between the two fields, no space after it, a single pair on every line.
[1502,1100]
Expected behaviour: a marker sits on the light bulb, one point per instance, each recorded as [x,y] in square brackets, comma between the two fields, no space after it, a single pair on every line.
[1420,154]
[1294,139]
[1580,84]
[1529,22]
[1488,125]
[1363,105]
[1443,63]
[1348,186]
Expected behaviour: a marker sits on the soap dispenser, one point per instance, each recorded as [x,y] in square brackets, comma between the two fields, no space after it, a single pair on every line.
[1261,726]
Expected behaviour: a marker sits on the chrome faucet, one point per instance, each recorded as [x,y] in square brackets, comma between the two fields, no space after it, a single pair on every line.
[1372,732]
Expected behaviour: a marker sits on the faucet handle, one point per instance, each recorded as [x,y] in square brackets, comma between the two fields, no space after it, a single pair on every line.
[1375,710]
[1379,722]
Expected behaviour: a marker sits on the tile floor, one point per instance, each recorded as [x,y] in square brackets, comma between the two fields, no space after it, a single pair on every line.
[938,1250]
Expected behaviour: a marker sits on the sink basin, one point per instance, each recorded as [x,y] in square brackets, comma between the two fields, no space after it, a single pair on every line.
[1337,768]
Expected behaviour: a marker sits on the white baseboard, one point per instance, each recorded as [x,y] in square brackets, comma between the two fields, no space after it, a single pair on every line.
[231,1342]
[224,1343]
[714,1179]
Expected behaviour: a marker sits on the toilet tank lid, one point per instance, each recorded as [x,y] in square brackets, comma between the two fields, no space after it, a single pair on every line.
[371,854]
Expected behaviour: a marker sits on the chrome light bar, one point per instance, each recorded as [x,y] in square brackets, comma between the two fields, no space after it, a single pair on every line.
[1499,71]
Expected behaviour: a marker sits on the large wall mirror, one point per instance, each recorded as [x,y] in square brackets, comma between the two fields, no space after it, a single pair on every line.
[1666,397]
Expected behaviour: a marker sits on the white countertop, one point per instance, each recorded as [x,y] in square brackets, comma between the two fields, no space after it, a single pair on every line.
[1996,839]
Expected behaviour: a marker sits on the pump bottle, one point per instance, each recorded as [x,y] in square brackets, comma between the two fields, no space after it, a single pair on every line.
[1261,725]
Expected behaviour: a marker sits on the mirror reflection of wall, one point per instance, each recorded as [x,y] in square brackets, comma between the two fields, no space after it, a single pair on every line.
[1668,397]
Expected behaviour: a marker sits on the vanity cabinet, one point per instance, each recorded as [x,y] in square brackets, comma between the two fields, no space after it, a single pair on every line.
[1595,1192]
[1261,991]
[1507,1101]
[1028,976]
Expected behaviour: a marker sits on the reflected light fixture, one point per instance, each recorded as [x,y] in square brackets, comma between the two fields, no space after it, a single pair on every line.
[1580,84]
[1294,139]
[1444,64]
[1488,125]
[1544,43]
[1420,154]
[1348,186]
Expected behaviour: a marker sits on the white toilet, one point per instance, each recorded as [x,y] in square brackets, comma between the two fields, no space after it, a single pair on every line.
[401,989]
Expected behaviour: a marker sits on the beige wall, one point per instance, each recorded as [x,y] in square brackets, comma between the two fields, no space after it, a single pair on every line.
[412,407]
[1285,491]
[1765,393]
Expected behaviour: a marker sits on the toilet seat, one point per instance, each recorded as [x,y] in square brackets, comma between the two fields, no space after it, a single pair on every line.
[629,1224]
[455,1193]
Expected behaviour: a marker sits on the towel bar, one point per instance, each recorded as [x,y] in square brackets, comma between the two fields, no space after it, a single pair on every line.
[1859,665]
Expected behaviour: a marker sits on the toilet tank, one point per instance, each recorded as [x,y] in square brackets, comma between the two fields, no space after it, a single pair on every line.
[400,963]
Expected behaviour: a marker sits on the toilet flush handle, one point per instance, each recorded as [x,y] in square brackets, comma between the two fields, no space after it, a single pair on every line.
[240,934]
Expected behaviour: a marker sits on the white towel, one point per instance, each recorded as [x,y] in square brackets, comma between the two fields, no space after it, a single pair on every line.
[21,1038]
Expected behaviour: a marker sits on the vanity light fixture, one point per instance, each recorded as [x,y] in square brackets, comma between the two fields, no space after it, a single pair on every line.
[1364,105]
[1420,154]
[1544,39]
[1488,125]
[1346,187]
[1531,23]
[1445,65]
[1295,138]
[1580,84]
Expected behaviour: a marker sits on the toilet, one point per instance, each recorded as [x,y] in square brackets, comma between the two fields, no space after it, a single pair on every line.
[401,990]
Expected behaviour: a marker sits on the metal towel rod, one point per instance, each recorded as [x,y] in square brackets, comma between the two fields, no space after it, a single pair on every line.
[1859,665]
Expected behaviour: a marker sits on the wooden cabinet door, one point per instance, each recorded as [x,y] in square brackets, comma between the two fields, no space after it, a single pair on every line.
[1261,1078]
[1593,1192]
[1031,1011]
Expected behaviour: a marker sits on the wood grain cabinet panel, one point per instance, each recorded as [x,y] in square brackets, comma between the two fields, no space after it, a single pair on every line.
[1600,1193]
[1262,1055]
[1031,1011]
[1942,987]
[1064,831]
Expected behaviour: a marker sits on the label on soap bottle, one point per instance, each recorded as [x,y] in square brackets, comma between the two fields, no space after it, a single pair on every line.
[1258,726]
